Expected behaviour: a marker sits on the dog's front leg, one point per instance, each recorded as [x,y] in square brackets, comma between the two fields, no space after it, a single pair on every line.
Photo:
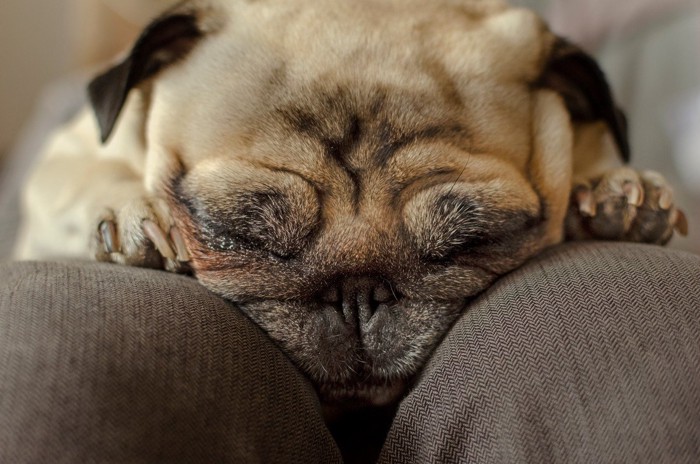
[88,201]
[138,231]
[611,201]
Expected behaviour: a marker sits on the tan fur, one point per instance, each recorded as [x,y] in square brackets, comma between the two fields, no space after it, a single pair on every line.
[308,150]
[487,47]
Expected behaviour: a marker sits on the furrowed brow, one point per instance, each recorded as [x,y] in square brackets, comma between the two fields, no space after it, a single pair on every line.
[391,140]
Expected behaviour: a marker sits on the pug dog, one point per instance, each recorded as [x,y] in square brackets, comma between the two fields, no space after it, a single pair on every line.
[349,173]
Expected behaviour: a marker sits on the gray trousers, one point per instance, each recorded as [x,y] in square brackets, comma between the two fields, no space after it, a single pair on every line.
[589,353]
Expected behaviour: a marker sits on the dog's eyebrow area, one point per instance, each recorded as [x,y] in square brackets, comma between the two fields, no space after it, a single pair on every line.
[362,130]
[276,213]
[342,132]
[445,223]
[386,139]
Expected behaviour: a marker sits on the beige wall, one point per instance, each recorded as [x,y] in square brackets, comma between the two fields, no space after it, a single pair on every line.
[34,48]
[41,40]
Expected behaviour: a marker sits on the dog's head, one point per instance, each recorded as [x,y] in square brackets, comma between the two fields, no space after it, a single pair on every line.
[352,172]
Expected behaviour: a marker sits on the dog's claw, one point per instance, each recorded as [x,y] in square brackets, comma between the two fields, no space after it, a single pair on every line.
[624,204]
[659,189]
[586,201]
[680,222]
[182,254]
[110,239]
[666,199]
[159,239]
[634,194]
[140,232]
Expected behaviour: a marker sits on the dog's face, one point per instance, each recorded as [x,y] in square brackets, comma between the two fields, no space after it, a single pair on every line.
[352,172]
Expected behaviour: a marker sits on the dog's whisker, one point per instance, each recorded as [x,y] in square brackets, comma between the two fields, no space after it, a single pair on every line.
[391,287]
[464,168]
[323,368]
[347,364]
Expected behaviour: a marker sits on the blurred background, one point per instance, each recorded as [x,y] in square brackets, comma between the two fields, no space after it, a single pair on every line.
[45,40]
[650,50]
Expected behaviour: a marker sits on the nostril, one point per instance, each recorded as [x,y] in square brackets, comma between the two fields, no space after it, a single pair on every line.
[380,294]
[332,295]
[359,298]
[384,292]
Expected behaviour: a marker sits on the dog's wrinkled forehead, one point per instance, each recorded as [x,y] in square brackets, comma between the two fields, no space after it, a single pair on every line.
[223,62]
[266,52]
[315,37]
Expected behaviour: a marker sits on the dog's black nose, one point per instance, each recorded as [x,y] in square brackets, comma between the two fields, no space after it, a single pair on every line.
[359,297]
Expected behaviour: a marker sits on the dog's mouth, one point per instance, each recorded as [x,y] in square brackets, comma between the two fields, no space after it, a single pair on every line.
[363,348]
[363,392]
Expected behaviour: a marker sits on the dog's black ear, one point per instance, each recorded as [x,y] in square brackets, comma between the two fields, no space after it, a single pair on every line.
[578,78]
[165,41]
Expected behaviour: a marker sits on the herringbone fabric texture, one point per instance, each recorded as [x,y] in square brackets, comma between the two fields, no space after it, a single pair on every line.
[108,364]
[589,354]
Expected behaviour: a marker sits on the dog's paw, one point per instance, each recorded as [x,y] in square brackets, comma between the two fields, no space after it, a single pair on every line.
[141,233]
[627,205]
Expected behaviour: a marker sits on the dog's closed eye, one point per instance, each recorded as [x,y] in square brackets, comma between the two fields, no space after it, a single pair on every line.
[441,226]
[447,224]
[277,218]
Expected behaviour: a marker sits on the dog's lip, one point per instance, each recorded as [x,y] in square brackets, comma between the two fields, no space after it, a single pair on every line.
[388,395]
[364,394]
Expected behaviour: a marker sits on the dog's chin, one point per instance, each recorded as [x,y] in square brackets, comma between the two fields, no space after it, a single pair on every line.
[364,363]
